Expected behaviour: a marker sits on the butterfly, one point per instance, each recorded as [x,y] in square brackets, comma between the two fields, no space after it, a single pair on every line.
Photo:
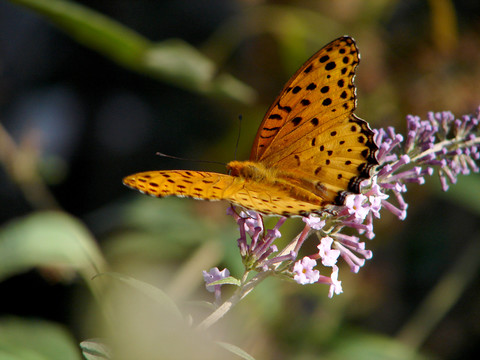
[309,153]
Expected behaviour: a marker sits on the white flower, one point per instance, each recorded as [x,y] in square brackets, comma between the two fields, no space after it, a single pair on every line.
[314,222]
[335,286]
[328,255]
[356,206]
[304,273]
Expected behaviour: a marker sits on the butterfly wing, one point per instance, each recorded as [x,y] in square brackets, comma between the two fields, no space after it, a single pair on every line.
[315,89]
[310,131]
[184,183]
[204,185]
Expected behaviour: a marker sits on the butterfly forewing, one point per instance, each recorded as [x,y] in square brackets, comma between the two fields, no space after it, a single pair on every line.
[320,92]
[188,183]
[311,133]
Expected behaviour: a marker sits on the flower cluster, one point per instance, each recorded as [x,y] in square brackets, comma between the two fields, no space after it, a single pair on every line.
[441,144]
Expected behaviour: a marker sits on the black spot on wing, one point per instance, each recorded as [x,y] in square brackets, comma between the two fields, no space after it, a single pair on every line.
[330,66]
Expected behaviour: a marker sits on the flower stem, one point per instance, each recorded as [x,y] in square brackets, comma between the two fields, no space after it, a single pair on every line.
[238,295]
[444,144]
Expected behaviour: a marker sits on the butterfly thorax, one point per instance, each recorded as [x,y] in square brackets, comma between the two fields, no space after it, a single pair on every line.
[276,179]
[250,170]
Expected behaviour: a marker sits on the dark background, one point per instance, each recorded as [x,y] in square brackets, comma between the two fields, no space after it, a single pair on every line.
[92,122]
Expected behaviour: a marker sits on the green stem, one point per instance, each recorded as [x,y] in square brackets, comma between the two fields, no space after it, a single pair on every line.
[443,296]
[239,294]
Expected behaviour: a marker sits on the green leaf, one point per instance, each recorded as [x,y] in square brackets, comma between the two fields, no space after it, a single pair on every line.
[48,239]
[178,62]
[173,60]
[235,350]
[466,192]
[361,346]
[93,349]
[228,280]
[35,340]
[150,291]
[92,29]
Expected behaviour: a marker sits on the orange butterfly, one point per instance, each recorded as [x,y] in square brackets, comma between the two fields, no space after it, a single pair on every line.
[310,151]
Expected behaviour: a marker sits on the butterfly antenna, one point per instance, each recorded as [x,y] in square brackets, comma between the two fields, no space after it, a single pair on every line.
[192,160]
[238,135]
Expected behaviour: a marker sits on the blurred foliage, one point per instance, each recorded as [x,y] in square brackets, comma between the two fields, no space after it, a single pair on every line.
[76,118]
[44,239]
[174,60]
[35,339]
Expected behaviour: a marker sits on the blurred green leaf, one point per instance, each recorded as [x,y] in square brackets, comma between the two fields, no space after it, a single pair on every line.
[444,25]
[93,349]
[150,291]
[173,60]
[466,192]
[171,217]
[235,350]
[361,346]
[181,64]
[48,239]
[168,227]
[35,340]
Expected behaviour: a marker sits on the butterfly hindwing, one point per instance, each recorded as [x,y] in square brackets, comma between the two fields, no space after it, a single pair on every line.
[335,160]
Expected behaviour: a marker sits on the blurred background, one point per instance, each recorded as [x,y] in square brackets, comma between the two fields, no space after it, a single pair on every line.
[89,94]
